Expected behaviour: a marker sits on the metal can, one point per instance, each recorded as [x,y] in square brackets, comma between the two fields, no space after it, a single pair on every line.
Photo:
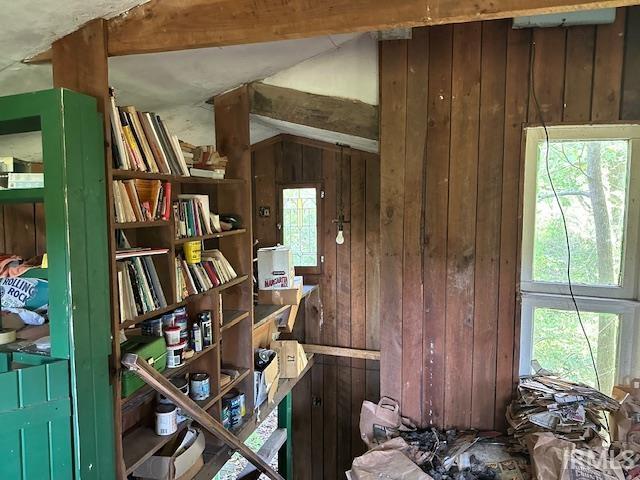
[206,325]
[196,337]
[180,383]
[181,319]
[235,401]
[168,320]
[200,386]
[166,419]
[152,327]
[226,416]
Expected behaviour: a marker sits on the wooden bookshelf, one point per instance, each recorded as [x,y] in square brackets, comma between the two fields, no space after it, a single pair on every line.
[136,440]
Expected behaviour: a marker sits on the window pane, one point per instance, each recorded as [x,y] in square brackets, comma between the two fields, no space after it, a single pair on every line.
[590,178]
[559,345]
[299,229]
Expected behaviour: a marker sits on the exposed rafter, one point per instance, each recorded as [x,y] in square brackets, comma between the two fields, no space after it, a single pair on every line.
[168,25]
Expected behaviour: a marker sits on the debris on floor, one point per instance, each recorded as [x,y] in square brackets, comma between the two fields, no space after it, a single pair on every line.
[572,411]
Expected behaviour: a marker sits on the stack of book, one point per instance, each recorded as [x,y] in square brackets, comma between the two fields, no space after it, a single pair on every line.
[212,271]
[204,161]
[141,141]
[16,173]
[139,287]
[141,200]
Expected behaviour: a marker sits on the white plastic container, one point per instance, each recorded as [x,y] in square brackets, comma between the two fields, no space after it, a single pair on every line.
[166,419]
[174,355]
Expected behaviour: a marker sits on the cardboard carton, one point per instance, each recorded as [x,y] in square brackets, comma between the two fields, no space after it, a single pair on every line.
[284,296]
[275,268]
[174,462]
[267,382]
[292,356]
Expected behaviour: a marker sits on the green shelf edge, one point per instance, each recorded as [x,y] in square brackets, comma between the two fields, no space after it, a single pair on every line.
[22,195]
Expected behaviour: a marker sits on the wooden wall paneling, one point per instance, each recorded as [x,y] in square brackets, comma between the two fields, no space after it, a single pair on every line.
[329,327]
[20,230]
[462,223]
[607,72]
[290,167]
[516,111]
[631,82]
[548,74]
[302,434]
[357,293]
[412,287]
[317,422]
[372,259]
[436,219]
[488,215]
[343,311]
[579,73]
[39,225]
[393,101]
[265,192]
[311,164]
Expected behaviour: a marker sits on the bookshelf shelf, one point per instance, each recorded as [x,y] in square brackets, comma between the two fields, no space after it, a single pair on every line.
[143,442]
[133,175]
[144,392]
[22,195]
[231,318]
[132,225]
[169,308]
[182,241]
[210,402]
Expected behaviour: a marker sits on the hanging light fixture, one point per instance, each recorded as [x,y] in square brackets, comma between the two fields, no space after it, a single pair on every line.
[340,220]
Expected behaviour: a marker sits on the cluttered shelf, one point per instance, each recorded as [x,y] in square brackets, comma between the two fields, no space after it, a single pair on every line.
[264,313]
[232,317]
[137,175]
[22,195]
[168,308]
[210,402]
[138,396]
[181,241]
[215,461]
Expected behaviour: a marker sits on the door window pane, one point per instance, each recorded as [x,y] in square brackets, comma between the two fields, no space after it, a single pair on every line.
[559,345]
[300,225]
[591,179]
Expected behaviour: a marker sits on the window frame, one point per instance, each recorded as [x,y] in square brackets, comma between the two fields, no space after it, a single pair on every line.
[318,186]
[621,300]
[629,287]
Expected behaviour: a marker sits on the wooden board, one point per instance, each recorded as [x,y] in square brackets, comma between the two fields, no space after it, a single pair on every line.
[607,70]
[579,74]
[631,81]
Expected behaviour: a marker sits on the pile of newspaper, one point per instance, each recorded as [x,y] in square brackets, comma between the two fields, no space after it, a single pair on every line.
[571,411]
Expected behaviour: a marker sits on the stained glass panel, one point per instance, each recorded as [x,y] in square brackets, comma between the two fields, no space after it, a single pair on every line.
[300,225]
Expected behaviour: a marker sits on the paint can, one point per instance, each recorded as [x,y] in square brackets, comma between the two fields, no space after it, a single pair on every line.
[174,355]
[226,413]
[206,326]
[196,337]
[181,320]
[152,327]
[172,335]
[237,409]
[168,320]
[166,419]
[180,383]
[200,386]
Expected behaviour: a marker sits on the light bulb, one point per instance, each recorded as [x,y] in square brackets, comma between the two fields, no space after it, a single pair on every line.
[340,237]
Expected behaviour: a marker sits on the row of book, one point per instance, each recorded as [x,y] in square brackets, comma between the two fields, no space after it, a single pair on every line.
[141,141]
[192,216]
[204,161]
[139,287]
[141,200]
[212,271]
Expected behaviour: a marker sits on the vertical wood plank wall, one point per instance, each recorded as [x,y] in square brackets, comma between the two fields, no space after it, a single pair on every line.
[22,230]
[454,99]
[326,403]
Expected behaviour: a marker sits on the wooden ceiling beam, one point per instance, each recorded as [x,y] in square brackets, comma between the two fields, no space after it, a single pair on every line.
[169,25]
[334,114]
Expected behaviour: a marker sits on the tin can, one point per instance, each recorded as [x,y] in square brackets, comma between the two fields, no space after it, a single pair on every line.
[200,386]
[166,419]
[192,252]
[237,409]
[180,383]
[168,320]
[196,337]
[174,355]
[207,331]
[152,327]
[226,416]
[181,319]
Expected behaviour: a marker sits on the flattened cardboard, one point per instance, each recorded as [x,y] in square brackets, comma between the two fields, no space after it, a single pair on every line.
[172,467]
[282,296]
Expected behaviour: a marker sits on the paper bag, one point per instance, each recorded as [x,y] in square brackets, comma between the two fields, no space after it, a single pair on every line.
[554,458]
[381,422]
[386,461]
[625,423]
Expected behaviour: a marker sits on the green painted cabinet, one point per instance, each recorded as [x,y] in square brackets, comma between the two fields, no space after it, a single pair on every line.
[72,387]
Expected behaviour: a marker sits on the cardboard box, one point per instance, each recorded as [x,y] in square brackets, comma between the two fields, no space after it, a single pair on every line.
[283,296]
[267,382]
[275,268]
[169,466]
[292,356]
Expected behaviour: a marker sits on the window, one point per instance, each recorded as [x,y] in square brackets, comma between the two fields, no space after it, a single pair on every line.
[300,225]
[594,171]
